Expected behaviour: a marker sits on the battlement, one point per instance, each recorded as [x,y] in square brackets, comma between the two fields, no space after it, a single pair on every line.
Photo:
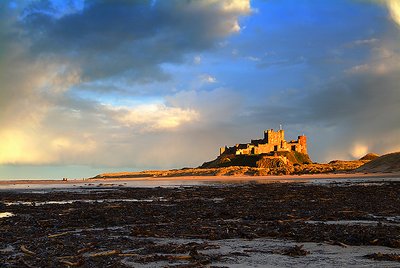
[273,141]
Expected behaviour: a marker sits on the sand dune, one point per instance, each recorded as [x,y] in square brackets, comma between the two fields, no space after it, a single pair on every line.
[385,163]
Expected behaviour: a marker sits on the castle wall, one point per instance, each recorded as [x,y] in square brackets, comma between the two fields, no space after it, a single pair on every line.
[273,141]
[263,148]
[243,151]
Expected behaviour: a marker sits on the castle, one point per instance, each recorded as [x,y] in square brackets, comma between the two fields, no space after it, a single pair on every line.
[274,141]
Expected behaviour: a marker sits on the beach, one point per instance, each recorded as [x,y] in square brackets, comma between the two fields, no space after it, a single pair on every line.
[320,220]
[180,179]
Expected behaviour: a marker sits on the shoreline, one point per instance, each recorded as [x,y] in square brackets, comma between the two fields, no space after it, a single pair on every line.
[271,178]
[251,225]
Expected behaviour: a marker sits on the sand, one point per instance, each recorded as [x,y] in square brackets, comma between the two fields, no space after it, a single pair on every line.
[216,178]
[236,225]
[270,178]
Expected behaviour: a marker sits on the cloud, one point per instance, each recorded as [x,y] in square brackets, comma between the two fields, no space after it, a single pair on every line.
[131,37]
[349,115]
[206,78]
[215,106]
[48,53]
[366,103]
[59,67]
[154,117]
[363,42]
[393,7]
[251,58]
[197,60]
[384,60]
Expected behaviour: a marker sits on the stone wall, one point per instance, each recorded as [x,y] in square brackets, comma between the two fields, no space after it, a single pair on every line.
[274,141]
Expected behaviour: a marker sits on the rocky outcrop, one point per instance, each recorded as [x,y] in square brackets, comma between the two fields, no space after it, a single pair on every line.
[273,160]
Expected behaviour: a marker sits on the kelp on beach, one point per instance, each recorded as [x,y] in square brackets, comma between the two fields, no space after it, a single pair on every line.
[117,232]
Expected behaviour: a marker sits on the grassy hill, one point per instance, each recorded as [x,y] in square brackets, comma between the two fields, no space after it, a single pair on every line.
[273,160]
[270,164]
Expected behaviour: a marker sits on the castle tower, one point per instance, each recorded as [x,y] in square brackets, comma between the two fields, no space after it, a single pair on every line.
[274,137]
[282,134]
[303,142]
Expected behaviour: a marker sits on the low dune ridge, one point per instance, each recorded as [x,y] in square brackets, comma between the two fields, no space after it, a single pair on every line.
[261,165]
[369,156]
[385,163]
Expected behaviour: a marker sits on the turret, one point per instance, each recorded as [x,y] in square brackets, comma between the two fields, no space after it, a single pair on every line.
[303,142]
[222,150]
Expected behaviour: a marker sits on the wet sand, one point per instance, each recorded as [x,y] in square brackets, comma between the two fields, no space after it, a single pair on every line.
[339,224]
[270,178]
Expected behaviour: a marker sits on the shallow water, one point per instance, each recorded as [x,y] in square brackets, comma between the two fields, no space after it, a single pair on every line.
[114,184]
[357,222]
[63,202]
[6,214]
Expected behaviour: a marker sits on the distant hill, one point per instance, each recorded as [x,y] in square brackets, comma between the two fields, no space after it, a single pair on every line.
[385,163]
[369,156]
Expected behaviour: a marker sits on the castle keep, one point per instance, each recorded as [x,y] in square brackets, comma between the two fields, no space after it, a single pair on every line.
[273,141]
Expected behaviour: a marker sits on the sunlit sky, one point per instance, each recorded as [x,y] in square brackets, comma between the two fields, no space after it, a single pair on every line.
[94,86]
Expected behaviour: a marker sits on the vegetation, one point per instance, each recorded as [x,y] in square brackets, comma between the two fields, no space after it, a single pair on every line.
[282,163]
[273,160]
[385,163]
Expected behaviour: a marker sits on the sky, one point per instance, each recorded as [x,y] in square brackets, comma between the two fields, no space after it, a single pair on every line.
[94,86]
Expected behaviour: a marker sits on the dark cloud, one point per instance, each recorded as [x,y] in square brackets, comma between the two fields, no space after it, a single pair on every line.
[357,108]
[133,38]
[66,73]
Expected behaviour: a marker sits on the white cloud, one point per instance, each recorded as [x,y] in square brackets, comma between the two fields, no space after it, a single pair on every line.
[230,9]
[252,58]
[394,9]
[197,59]
[383,61]
[362,42]
[207,78]
[154,117]
[236,6]
[235,27]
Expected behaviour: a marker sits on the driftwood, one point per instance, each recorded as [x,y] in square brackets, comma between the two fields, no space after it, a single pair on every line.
[57,235]
[27,251]
[105,253]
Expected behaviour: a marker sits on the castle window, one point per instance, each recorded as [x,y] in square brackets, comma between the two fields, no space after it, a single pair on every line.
[276,148]
[293,147]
